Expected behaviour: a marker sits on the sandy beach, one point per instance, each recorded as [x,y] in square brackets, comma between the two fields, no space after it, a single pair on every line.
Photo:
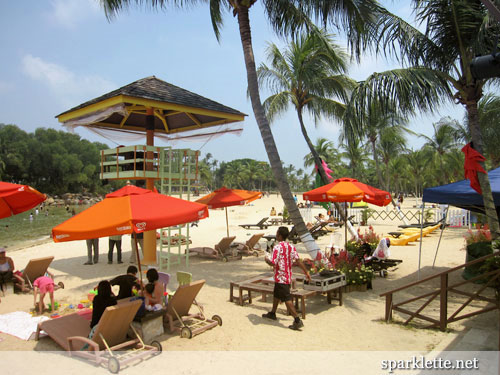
[357,325]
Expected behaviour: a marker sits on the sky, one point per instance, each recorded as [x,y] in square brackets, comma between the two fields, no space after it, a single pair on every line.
[56,54]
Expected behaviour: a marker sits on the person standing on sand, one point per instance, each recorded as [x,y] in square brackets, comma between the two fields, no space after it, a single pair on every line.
[93,243]
[115,240]
[284,256]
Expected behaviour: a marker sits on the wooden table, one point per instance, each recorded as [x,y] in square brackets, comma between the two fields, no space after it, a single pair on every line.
[265,285]
[277,220]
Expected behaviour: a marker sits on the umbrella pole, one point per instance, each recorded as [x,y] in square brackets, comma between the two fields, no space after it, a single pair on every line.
[138,260]
[227,224]
[421,235]
[345,224]
[441,235]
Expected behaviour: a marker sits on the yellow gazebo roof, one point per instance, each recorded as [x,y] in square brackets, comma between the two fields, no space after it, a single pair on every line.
[175,109]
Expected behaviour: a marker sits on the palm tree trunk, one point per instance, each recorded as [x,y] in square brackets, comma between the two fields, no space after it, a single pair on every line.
[377,164]
[265,131]
[314,153]
[319,164]
[484,181]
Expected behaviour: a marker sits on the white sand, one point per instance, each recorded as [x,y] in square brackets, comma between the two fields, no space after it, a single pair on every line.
[357,325]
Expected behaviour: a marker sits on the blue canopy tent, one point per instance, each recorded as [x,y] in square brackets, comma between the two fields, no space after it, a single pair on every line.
[460,194]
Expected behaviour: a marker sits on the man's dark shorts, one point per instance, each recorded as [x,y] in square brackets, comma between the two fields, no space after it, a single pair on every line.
[282,292]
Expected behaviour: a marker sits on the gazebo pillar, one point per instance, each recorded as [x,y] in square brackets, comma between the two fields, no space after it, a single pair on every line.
[150,236]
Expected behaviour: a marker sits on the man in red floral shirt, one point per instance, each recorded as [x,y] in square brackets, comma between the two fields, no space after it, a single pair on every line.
[284,256]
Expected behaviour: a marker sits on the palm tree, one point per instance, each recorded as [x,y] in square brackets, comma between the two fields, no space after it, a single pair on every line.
[356,155]
[392,143]
[309,75]
[325,149]
[375,120]
[285,16]
[438,67]
[441,142]
[489,119]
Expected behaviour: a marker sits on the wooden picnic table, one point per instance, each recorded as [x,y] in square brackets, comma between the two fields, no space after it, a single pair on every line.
[275,220]
[264,284]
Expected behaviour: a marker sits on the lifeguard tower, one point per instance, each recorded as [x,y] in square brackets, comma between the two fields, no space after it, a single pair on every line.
[158,109]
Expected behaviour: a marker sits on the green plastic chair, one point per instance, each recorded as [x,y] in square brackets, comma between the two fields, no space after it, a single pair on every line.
[184,278]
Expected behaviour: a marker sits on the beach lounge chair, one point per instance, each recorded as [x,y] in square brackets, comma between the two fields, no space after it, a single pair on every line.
[110,336]
[378,265]
[178,316]
[251,247]
[425,225]
[261,224]
[36,268]
[222,250]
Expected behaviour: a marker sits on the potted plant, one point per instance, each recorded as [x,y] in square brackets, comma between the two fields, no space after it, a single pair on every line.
[358,276]
[478,244]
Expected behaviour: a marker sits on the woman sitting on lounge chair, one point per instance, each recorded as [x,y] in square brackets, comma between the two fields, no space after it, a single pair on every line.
[7,273]
[382,250]
[103,299]
[154,290]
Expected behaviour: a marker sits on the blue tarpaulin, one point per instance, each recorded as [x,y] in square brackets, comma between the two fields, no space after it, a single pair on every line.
[460,194]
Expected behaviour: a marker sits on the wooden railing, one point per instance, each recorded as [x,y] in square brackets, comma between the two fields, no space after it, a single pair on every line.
[445,289]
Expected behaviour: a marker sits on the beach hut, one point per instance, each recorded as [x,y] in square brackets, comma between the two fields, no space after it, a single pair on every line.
[155,108]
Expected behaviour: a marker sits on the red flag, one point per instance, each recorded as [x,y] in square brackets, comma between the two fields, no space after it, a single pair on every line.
[472,166]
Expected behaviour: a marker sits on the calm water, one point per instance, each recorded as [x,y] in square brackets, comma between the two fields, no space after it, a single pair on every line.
[19,229]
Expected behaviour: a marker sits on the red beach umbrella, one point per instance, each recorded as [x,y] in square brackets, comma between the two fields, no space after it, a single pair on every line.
[225,197]
[15,199]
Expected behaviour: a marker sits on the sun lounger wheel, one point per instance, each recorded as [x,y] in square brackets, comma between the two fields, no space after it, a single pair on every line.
[218,319]
[113,365]
[383,273]
[157,345]
[186,333]
[224,259]
[255,253]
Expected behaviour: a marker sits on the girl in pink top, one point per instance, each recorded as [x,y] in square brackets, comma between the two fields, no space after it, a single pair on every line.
[44,285]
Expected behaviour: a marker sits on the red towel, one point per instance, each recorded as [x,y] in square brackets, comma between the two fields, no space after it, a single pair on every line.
[472,166]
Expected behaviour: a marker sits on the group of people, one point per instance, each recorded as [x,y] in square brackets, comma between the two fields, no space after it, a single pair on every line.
[114,241]
[129,286]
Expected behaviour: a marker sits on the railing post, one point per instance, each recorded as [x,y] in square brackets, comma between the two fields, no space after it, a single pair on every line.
[388,307]
[443,307]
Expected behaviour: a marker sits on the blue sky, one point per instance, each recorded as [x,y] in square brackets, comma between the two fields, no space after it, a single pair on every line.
[56,54]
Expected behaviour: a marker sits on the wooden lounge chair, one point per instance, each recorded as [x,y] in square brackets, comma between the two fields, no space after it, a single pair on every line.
[251,247]
[222,250]
[178,316]
[110,336]
[36,268]
[261,224]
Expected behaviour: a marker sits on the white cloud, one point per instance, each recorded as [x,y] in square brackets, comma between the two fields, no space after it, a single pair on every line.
[69,13]
[68,87]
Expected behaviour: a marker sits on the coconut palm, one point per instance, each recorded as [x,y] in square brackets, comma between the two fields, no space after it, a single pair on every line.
[285,16]
[489,120]
[438,67]
[356,155]
[325,149]
[309,75]
[441,142]
[392,143]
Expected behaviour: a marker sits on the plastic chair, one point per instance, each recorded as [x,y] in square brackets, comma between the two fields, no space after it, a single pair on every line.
[184,278]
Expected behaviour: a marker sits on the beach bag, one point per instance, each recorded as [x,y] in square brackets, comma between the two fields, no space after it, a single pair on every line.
[142,309]
[380,254]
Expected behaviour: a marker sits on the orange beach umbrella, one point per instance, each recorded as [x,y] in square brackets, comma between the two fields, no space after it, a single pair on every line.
[348,190]
[129,209]
[225,197]
[15,198]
